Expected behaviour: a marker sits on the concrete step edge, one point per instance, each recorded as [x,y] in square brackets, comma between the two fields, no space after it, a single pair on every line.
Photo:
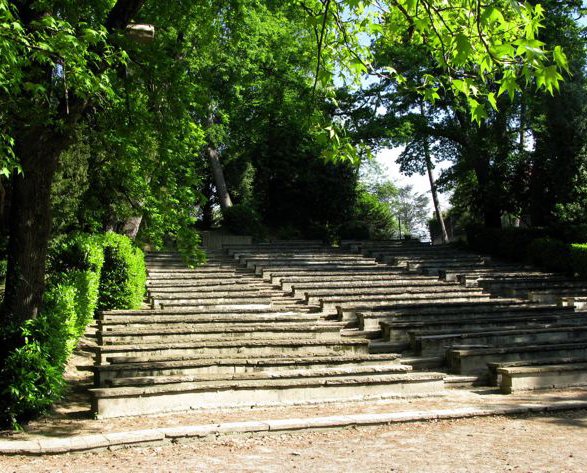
[81,443]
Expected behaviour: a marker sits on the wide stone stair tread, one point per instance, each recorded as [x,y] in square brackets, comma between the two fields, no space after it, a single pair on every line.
[222,328]
[212,386]
[448,306]
[263,375]
[261,342]
[562,327]
[258,360]
[267,317]
[254,325]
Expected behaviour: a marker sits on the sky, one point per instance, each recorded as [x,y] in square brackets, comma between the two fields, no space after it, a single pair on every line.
[386,158]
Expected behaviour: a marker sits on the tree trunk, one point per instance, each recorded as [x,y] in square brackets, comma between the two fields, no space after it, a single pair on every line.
[38,149]
[30,223]
[435,200]
[433,190]
[218,174]
[130,226]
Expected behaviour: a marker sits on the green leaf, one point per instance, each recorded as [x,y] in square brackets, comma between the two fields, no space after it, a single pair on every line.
[491,99]
[560,58]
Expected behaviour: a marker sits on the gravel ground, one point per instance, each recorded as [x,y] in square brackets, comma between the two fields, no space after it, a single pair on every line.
[530,443]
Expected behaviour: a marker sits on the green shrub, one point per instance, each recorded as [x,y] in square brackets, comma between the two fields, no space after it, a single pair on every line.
[551,254]
[242,219]
[510,243]
[579,259]
[354,230]
[35,355]
[30,380]
[122,283]
[376,215]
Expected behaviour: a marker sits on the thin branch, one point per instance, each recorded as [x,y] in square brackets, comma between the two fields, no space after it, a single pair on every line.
[320,42]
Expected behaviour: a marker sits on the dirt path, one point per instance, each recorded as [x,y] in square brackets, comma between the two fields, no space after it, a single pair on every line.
[532,443]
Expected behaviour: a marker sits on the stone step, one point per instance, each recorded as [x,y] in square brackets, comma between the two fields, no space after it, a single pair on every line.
[424,363]
[372,319]
[419,253]
[219,311]
[275,274]
[469,361]
[257,347]
[548,376]
[574,301]
[434,267]
[286,265]
[184,332]
[432,259]
[162,268]
[548,296]
[415,310]
[329,303]
[495,377]
[196,275]
[437,344]
[527,285]
[222,304]
[490,271]
[203,283]
[223,365]
[363,271]
[397,332]
[315,295]
[244,285]
[324,288]
[224,294]
[123,401]
[376,279]
[259,375]
[295,256]
[279,248]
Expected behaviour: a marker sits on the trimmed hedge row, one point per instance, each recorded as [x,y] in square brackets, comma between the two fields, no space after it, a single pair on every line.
[36,354]
[530,246]
[122,285]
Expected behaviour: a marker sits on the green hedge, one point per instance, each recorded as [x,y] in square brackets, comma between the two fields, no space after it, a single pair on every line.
[508,243]
[531,246]
[579,259]
[122,284]
[242,219]
[36,354]
[551,254]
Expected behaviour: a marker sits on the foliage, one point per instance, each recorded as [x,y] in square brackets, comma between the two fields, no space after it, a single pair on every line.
[241,219]
[122,282]
[551,254]
[31,379]
[579,259]
[507,243]
[374,215]
[355,230]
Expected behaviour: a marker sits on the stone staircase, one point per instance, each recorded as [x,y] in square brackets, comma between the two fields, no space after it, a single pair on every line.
[227,335]
[527,335]
[299,322]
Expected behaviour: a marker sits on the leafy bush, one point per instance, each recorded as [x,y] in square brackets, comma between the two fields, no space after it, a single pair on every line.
[36,353]
[551,254]
[354,230]
[376,215]
[242,219]
[31,379]
[3,267]
[122,283]
[579,259]
[508,243]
